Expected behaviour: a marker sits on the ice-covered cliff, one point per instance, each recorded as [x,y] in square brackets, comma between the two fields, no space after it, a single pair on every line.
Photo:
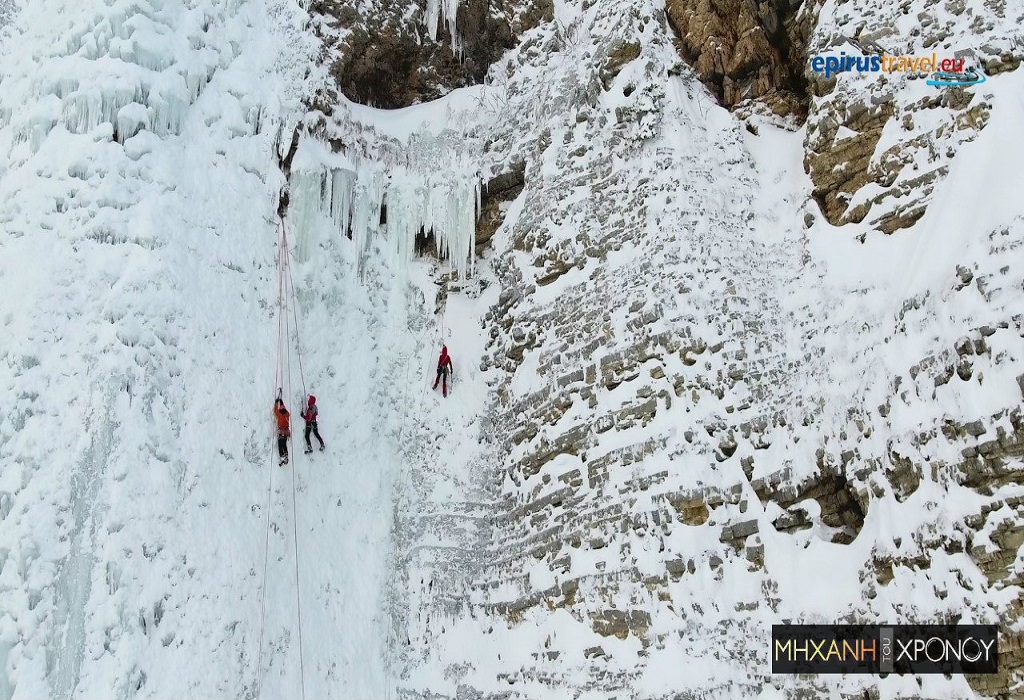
[687,404]
[140,185]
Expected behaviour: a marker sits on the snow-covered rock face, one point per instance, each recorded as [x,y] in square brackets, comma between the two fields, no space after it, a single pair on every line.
[394,53]
[878,144]
[711,412]
[685,407]
[8,9]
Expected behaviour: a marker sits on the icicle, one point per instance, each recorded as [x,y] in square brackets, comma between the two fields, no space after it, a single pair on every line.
[431,17]
[434,192]
[404,199]
[451,215]
[444,11]
[169,101]
[306,191]
[368,197]
[131,119]
[340,201]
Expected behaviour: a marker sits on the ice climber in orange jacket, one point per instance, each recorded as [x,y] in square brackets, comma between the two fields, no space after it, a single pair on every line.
[283,428]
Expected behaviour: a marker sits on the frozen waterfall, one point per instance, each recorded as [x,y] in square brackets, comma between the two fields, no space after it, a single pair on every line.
[445,11]
[126,67]
[364,199]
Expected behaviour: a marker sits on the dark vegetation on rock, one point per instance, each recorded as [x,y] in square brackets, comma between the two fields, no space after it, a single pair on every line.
[387,59]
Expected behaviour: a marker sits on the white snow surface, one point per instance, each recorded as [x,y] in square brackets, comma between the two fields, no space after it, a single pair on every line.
[138,234]
[138,362]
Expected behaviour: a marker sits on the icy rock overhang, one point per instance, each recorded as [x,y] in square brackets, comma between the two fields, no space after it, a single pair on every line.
[438,196]
[393,54]
[445,11]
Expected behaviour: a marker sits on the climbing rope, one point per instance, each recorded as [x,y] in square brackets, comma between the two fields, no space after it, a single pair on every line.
[283,380]
[295,316]
[270,480]
[266,562]
[286,274]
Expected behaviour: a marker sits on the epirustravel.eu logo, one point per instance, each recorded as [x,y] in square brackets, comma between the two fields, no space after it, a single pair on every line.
[914,649]
[943,71]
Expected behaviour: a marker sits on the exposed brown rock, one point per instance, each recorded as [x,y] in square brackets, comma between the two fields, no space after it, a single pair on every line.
[691,509]
[840,505]
[839,168]
[619,623]
[500,190]
[385,58]
[618,57]
[744,49]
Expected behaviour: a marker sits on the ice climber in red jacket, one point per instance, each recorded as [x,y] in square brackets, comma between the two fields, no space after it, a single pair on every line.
[444,369]
[310,415]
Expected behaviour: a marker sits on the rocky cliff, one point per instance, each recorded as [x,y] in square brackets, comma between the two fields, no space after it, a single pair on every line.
[755,54]
[718,398]
[747,50]
[392,53]
[877,145]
